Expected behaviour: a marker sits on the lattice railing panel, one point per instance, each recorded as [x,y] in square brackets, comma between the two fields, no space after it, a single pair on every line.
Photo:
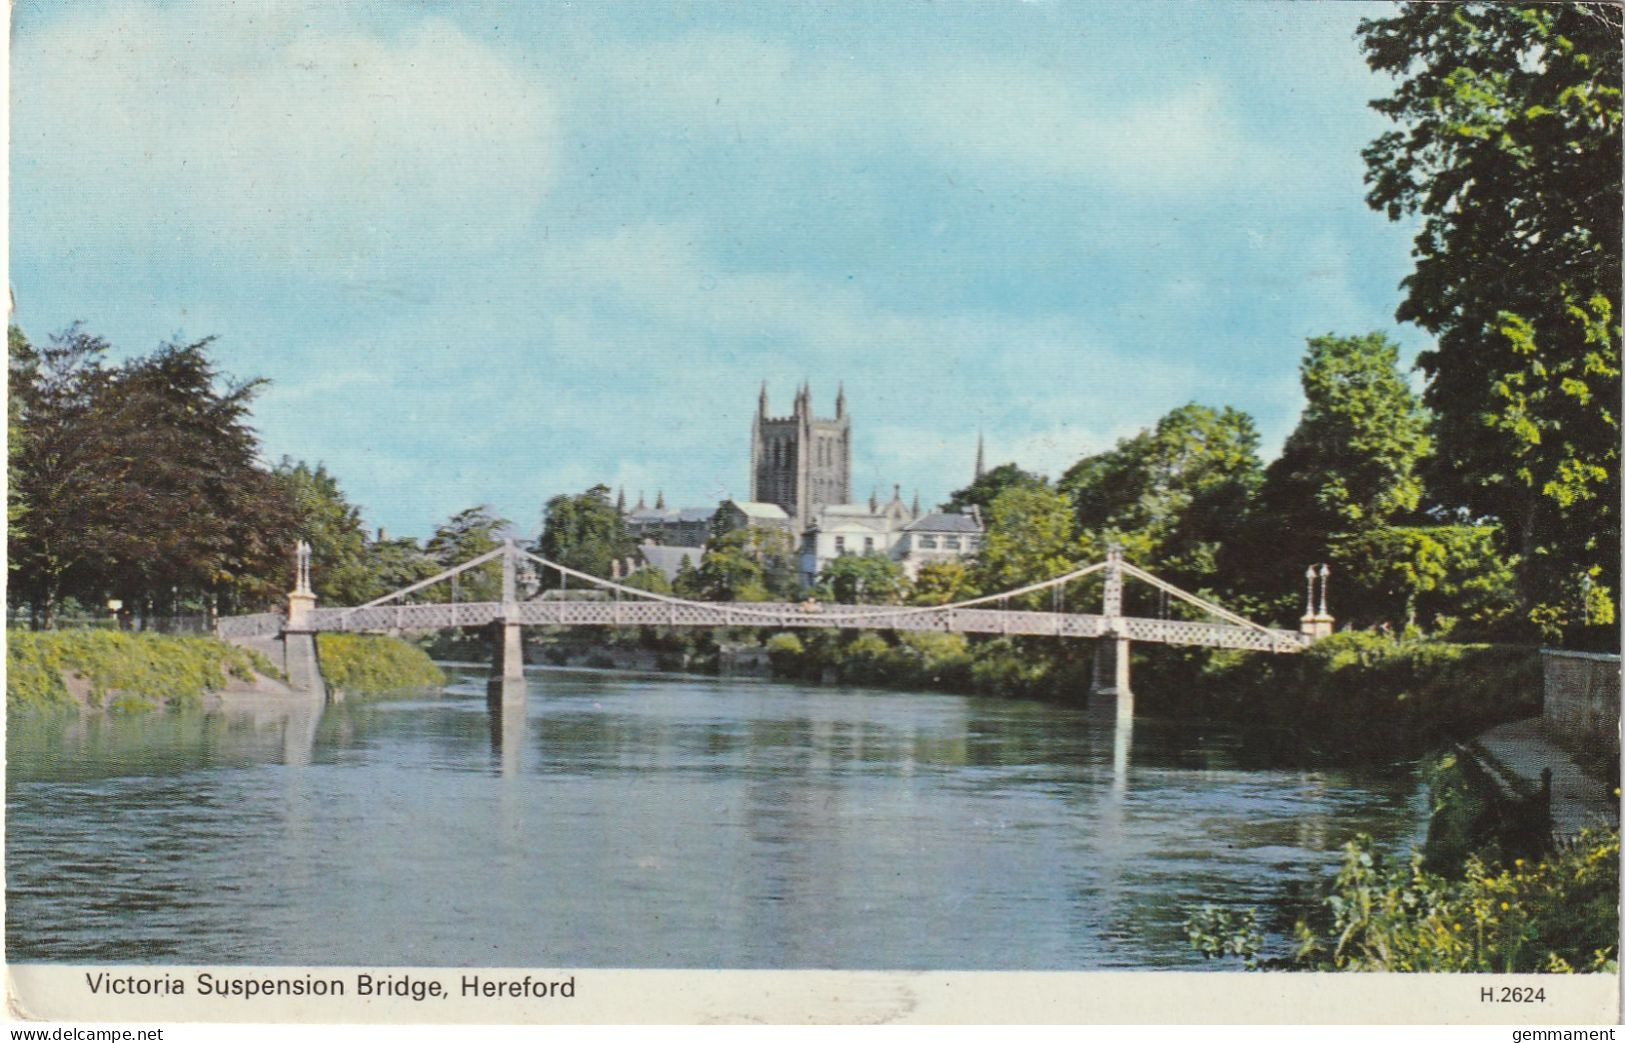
[259,624]
[1211,635]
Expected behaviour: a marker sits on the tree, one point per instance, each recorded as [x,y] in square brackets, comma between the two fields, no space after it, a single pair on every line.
[749,564]
[942,582]
[23,364]
[1029,539]
[1509,152]
[71,477]
[200,517]
[854,579]
[984,490]
[1352,464]
[341,567]
[1172,495]
[140,481]
[1443,578]
[394,564]
[650,579]
[467,535]
[583,532]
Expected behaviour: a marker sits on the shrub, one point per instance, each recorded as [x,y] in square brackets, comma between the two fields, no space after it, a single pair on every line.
[370,664]
[1558,914]
[784,654]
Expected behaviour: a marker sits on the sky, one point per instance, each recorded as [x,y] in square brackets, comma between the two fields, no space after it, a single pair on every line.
[494,252]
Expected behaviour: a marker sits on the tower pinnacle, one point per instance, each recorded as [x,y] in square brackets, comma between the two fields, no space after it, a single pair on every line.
[979,465]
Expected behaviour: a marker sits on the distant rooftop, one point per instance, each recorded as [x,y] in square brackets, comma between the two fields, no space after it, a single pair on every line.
[946,521]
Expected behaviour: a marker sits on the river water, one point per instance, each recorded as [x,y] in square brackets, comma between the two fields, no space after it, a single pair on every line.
[614,820]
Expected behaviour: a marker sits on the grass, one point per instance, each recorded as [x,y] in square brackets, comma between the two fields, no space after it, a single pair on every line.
[121,671]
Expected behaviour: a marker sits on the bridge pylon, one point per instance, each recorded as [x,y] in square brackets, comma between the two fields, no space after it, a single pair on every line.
[1111,665]
[508,646]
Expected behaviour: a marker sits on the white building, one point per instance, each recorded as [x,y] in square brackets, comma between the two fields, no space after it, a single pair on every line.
[852,528]
[938,537]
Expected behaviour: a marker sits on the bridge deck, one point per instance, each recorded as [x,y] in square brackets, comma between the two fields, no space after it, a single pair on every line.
[776,615]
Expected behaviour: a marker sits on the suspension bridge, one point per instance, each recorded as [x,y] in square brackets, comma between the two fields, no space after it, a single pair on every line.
[599,602]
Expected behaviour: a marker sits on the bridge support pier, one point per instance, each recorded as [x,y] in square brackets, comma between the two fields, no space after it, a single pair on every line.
[507,651]
[1111,675]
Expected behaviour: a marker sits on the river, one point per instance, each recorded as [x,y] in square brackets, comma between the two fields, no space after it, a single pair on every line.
[617,820]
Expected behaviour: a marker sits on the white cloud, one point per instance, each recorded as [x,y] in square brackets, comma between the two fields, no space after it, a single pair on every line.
[254,129]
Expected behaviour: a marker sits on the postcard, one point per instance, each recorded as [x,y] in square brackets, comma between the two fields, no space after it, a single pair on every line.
[962,512]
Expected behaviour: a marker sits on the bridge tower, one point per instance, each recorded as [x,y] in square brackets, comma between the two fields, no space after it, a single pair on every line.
[508,647]
[1111,666]
[299,660]
[1317,622]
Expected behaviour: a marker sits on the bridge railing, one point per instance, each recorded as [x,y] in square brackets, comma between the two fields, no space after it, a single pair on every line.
[258,624]
[407,617]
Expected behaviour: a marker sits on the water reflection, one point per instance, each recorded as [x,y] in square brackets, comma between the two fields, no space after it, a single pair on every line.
[595,819]
[507,702]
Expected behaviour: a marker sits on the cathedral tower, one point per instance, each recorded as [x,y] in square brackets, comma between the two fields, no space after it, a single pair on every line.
[801,462]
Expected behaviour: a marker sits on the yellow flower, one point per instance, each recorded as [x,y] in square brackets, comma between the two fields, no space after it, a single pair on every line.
[1458,927]
[1503,905]
[1517,861]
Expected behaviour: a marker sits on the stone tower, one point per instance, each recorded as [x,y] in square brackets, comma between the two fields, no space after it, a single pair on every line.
[801,462]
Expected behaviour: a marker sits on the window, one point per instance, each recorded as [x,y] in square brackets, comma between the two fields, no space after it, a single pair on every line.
[928,543]
[868,544]
[840,545]
[950,542]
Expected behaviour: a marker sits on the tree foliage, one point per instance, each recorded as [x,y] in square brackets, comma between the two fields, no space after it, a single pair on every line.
[984,490]
[1172,495]
[341,569]
[1030,538]
[584,532]
[1508,152]
[140,481]
[754,563]
[854,579]
[467,535]
[1352,465]
[1447,579]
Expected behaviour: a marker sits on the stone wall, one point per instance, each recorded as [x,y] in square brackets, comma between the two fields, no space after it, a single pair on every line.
[1581,701]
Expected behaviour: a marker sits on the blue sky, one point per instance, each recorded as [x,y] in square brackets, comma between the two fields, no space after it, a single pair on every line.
[494,252]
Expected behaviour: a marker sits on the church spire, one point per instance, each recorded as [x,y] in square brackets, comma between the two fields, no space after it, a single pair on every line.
[660,500]
[979,466]
[640,506]
[915,510]
[620,501]
[761,401]
[840,400]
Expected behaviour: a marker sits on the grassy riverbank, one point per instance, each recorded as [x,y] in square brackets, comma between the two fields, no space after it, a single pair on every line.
[365,664]
[100,669]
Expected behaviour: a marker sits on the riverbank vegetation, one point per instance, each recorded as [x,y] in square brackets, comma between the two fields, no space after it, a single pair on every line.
[1488,892]
[1557,913]
[101,669]
[364,664]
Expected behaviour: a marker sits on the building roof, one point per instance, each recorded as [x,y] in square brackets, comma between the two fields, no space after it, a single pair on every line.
[696,514]
[757,510]
[667,560]
[944,521]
